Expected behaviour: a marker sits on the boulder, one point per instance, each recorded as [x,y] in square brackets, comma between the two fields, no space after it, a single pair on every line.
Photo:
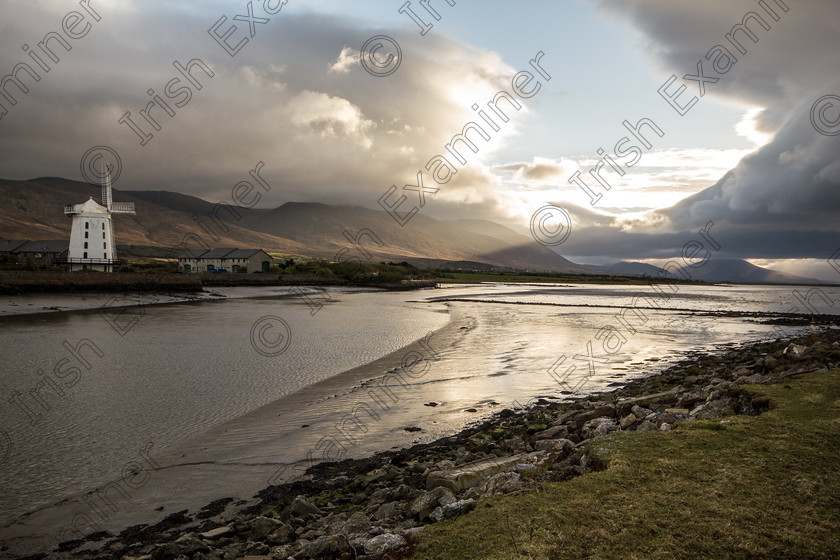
[327,546]
[718,407]
[554,445]
[381,545]
[670,396]
[389,511]
[281,535]
[552,433]
[770,363]
[356,523]
[261,527]
[690,400]
[640,412]
[795,351]
[425,504]
[628,421]
[754,379]
[597,427]
[301,508]
[563,418]
[452,510]
[217,533]
[471,474]
[605,410]
[502,483]
[647,426]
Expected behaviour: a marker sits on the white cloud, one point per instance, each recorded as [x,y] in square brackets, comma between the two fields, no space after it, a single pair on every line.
[347,58]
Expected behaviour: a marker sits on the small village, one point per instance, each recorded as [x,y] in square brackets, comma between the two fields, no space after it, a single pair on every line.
[92,224]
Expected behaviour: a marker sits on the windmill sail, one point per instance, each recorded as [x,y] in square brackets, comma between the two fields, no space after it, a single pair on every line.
[107,199]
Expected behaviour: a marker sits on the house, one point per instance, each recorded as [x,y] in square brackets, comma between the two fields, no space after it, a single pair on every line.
[42,254]
[224,260]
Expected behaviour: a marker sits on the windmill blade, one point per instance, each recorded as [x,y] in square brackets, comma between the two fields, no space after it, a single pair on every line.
[106,185]
[122,208]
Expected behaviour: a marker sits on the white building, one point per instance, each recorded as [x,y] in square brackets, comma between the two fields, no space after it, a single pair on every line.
[225,260]
[92,245]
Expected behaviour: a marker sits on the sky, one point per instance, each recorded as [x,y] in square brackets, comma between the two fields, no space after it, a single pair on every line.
[756,150]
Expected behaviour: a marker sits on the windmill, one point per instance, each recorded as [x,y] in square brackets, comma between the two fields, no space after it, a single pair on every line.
[92,243]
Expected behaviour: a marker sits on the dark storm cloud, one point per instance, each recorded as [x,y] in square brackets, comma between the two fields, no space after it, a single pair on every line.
[294,97]
[782,201]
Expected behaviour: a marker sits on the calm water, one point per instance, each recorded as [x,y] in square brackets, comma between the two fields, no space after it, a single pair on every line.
[187,376]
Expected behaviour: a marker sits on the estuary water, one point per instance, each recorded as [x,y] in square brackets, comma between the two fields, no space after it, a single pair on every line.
[243,388]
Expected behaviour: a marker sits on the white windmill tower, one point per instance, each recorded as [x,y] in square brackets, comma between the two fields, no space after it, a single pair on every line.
[92,244]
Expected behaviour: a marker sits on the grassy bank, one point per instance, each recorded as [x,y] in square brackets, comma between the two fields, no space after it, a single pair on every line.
[745,487]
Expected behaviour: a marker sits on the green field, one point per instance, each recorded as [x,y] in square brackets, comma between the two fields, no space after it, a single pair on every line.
[742,488]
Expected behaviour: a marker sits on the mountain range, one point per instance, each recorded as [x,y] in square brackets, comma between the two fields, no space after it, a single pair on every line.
[33,209]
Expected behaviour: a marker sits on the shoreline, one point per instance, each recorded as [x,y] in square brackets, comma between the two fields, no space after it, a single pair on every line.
[52,282]
[303,515]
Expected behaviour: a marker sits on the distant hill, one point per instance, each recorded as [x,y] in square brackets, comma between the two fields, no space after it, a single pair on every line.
[34,210]
[716,270]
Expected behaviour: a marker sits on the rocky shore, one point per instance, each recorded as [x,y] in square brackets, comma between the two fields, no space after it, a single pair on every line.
[377,507]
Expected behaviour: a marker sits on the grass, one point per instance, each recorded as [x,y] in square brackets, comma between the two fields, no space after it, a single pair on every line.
[745,487]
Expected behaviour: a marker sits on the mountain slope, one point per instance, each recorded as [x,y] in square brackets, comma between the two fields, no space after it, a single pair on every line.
[716,270]
[34,209]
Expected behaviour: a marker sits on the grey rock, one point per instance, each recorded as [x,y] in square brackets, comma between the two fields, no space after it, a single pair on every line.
[690,400]
[281,535]
[795,351]
[411,534]
[452,510]
[606,410]
[383,544]
[754,379]
[190,543]
[664,427]
[379,496]
[628,421]
[666,397]
[503,483]
[327,546]
[552,445]
[256,550]
[262,526]
[356,523]
[553,433]
[389,511]
[719,407]
[471,474]
[640,412]
[597,427]
[647,426]
[422,506]
[218,532]
[697,410]
[564,418]
[771,363]
[301,508]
